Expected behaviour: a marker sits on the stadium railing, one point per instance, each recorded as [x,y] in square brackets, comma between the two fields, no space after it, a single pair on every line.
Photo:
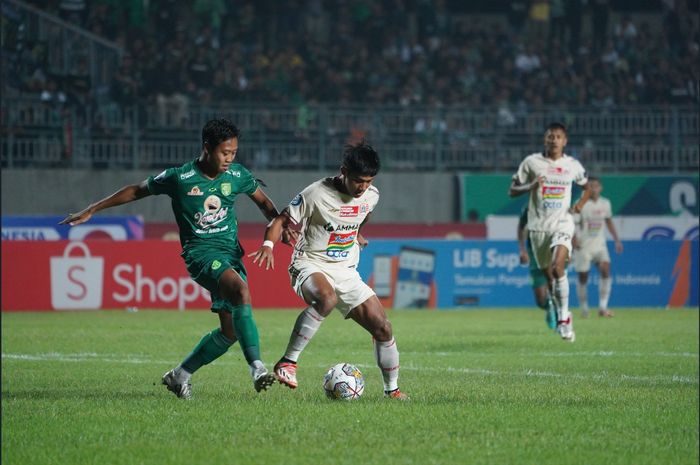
[37,134]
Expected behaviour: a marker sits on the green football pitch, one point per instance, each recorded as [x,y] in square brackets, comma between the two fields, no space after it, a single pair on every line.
[486,387]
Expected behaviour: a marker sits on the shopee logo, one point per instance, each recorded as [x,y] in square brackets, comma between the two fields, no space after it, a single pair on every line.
[138,288]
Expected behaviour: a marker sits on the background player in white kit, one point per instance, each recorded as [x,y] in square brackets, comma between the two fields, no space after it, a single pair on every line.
[548,178]
[323,271]
[590,247]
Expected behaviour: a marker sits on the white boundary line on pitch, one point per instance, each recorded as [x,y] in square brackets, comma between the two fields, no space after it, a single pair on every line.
[600,353]
[94,357]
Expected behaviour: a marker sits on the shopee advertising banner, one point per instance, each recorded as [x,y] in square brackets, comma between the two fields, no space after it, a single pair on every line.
[76,275]
[450,274]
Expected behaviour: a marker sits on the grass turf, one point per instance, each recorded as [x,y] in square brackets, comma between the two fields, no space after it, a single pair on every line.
[486,386]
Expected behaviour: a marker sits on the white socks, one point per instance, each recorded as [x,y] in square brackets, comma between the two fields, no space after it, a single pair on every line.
[582,292]
[604,287]
[181,375]
[256,366]
[387,356]
[561,295]
[305,327]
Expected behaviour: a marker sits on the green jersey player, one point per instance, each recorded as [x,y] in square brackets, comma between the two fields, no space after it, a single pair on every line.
[202,195]
[539,280]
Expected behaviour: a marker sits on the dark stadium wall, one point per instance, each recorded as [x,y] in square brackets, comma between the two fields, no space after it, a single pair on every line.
[425,198]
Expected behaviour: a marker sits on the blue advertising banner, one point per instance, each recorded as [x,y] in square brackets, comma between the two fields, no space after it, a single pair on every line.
[46,228]
[449,274]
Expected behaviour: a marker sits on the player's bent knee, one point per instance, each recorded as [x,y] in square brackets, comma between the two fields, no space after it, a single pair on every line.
[237,295]
[324,301]
[383,331]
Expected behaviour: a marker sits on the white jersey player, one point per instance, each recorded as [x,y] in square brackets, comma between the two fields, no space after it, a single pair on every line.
[590,247]
[548,177]
[323,271]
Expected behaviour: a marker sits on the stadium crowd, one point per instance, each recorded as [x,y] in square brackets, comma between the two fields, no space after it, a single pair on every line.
[404,52]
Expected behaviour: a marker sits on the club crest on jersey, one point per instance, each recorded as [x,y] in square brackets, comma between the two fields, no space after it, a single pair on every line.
[195,191]
[349,211]
[225,188]
[364,208]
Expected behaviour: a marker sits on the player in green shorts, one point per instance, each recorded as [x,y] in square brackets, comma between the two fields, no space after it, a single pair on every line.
[539,280]
[203,192]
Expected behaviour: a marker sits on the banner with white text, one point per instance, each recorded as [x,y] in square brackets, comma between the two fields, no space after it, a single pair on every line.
[450,274]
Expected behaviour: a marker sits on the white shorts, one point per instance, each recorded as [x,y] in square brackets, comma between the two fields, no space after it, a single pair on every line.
[584,256]
[543,242]
[347,283]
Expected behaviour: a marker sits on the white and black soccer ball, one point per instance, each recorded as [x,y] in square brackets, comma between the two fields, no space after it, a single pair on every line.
[344,381]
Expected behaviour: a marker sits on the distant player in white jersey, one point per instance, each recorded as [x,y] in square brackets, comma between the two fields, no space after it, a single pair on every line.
[590,247]
[323,271]
[547,177]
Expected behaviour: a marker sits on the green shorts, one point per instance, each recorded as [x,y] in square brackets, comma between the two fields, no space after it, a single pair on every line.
[537,277]
[206,267]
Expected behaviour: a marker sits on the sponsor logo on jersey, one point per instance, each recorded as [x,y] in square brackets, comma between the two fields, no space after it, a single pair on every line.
[226,188]
[195,191]
[215,265]
[553,192]
[235,173]
[347,211]
[364,208]
[296,201]
[341,241]
[594,226]
[558,170]
[213,213]
[189,174]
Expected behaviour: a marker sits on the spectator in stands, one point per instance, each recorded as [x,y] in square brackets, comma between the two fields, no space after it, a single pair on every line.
[125,86]
[171,101]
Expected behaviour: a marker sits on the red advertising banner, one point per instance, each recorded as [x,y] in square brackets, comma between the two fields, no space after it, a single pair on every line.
[63,275]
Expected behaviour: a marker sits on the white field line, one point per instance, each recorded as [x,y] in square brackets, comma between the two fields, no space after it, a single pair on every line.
[601,353]
[129,359]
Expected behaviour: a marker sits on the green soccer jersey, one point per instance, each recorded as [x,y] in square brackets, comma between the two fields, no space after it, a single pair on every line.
[203,207]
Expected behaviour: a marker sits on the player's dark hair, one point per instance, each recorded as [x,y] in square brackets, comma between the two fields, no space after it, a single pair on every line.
[593,178]
[218,130]
[361,159]
[557,125]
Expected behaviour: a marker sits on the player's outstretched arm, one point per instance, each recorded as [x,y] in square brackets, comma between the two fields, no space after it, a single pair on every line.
[613,232]
[522,250]
[582,201]
[273,233]
[124,195]
[267,207]
[265,204]
[516,189]
[361,241]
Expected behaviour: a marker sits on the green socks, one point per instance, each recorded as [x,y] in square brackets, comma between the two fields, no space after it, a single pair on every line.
[246,332]
[212,346]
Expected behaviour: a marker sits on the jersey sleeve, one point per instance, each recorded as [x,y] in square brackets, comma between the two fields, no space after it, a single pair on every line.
[523,174]
[163,183]
[608,209]
[580,177]
[301,206]
[247,184]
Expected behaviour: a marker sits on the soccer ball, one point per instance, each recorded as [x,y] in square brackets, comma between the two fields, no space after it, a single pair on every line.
[343,381]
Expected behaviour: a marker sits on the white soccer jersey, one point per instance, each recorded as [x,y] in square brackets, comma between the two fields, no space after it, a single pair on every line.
[591,222]
[548,208]
[330,222]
